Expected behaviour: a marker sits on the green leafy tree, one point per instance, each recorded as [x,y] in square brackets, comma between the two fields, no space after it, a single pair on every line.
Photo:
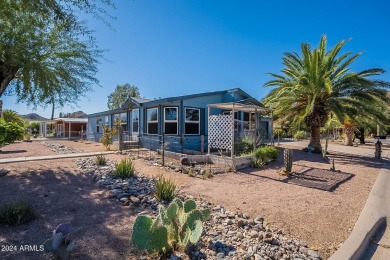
[122,92]
[35,126]
[318,82]
[47,55]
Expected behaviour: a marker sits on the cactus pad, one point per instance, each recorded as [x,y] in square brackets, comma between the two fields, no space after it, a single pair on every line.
[189,205]
[196,232]
[141,232]
[159,240]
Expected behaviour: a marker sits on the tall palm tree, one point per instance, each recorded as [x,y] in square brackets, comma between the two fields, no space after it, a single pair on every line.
[318,82]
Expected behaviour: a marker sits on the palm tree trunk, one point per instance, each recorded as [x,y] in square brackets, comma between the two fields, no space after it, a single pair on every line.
[361,136]
[349,136]
[315,140]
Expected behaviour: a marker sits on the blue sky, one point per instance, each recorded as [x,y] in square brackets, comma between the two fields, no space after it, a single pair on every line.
[178,47]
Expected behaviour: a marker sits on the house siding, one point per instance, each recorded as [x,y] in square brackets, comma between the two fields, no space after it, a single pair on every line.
[178,142]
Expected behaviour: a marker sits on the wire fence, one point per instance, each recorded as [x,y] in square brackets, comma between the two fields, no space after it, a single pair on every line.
[189,154]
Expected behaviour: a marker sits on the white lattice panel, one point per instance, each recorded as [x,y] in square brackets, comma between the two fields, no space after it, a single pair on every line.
[220,131]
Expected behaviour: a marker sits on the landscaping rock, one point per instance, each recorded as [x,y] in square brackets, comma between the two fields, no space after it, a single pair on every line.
[4,172]
[227,234]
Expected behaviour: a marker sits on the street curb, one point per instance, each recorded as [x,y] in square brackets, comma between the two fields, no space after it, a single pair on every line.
[53,157]
[375,212]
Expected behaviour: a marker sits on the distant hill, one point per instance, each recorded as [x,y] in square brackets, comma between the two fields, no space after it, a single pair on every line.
[34,116]
[77,114]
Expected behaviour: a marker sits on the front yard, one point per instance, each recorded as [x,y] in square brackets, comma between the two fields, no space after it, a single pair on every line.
[292,210]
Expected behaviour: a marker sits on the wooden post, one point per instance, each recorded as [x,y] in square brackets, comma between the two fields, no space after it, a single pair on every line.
[120,141]
[70,126]
[255,135]
[232,152]
[163,149]
[208,125]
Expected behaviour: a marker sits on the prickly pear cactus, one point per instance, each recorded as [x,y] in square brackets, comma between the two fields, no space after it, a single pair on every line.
[60,244]
[176,226]
[288,160]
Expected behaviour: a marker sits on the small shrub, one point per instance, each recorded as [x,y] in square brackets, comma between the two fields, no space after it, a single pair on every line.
[243,146]
[101,160]
[300,135]
[108,135]
[124,169]
[165,189]
[207,175]
[17,213]
[264,155]
[191,173]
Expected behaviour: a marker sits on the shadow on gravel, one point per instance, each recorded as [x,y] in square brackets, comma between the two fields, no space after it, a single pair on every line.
[102,228]
[12,152]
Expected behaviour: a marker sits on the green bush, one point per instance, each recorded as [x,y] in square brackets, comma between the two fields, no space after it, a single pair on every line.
[279,131]
[207,174]
[165,189]
[10,132]
[101,160]
[300,135]
[124,169]
[243,146]
[264,155]
[17,213]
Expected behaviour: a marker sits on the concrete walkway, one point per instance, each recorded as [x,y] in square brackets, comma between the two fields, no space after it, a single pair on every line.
[370,238]
[53,157]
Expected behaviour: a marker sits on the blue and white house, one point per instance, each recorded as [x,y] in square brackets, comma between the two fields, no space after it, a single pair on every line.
[183,120]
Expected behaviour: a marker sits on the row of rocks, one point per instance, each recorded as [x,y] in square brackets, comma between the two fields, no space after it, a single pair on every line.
[60,148]
[227,234]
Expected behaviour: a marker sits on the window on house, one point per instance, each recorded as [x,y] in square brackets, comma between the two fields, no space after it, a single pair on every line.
[192,122]
[135,120]
[152,121]
[115,119]
[123,119]
[170,120]
[249,120]
[98,122]
[106,120]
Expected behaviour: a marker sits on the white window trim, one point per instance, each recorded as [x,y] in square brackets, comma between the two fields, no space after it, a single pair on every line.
[132,121]
[154,121]
[120,118]
[172,121]
[188,121]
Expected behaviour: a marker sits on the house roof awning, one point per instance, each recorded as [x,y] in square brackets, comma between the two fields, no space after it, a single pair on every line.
[68,120]
[240,107]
